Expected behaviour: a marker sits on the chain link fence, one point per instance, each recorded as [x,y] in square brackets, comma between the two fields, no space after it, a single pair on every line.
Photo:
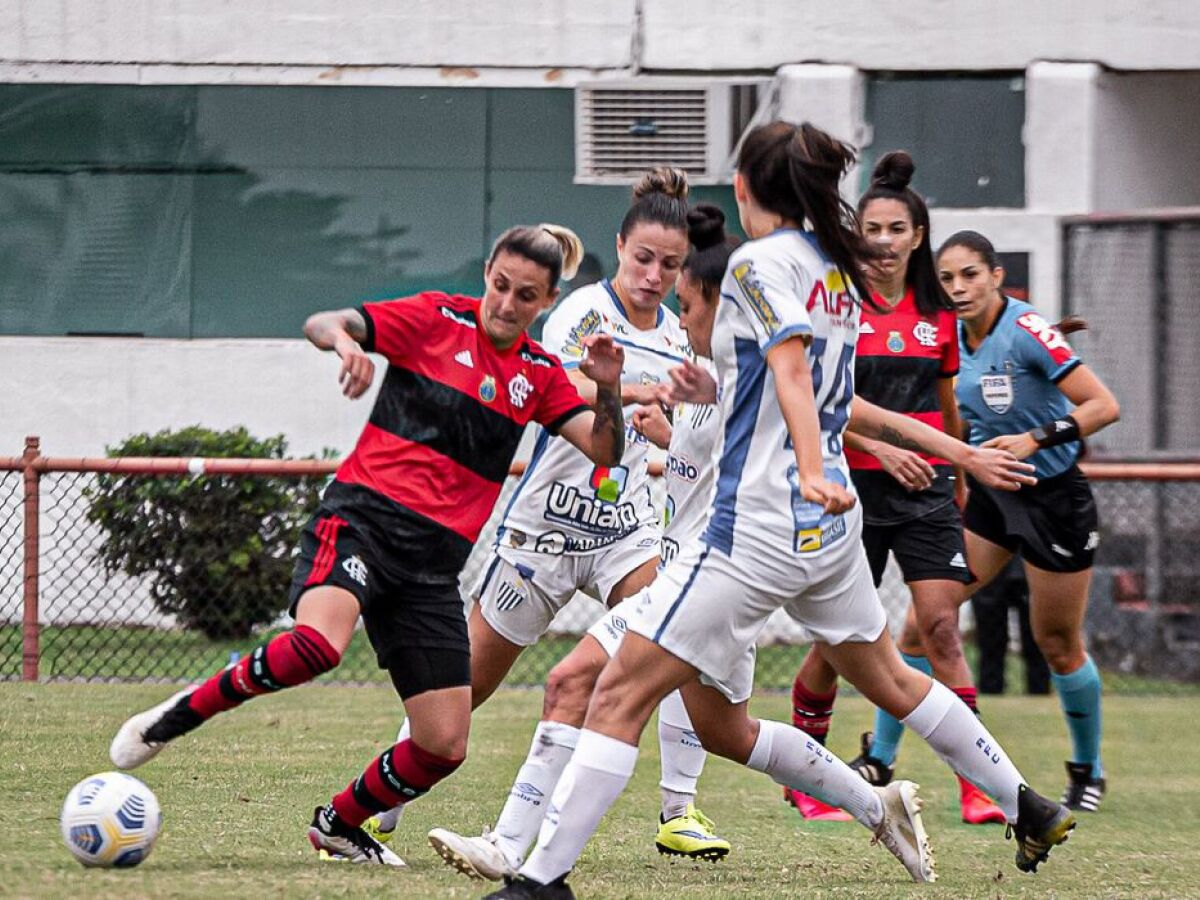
[95,622]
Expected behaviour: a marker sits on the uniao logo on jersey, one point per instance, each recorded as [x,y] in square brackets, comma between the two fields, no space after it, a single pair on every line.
[598,514]
[682,468]
[752,290]
[588,325]
[815,529]
[997,392]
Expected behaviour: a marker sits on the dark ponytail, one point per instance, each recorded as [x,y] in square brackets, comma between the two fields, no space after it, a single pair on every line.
[890,181]
[711,247]
[795,171]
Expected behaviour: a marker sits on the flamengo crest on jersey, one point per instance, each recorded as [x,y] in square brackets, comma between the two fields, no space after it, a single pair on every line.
[779,287]
[1009,384]
[564,504]
[690,472]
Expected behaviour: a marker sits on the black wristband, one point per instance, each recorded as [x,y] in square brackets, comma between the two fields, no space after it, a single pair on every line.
[1056,431]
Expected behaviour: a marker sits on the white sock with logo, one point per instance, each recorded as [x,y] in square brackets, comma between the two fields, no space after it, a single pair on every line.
[957,735]
[594,778]
[389,819]
[796,760]
[682,756]
[551,749]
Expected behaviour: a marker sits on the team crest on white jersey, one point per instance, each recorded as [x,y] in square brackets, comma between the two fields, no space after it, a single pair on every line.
[519,389]
[997,392]
[926,333]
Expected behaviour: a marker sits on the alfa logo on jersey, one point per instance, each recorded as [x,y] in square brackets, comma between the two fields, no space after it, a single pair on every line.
[752,289]
[926,333]
[895,342]
[519,389]
[608,482]
[997,392]
[588,325]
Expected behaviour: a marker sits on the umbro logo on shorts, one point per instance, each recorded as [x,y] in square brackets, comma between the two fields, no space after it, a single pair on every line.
[957,561]
[463,358]
[508,597]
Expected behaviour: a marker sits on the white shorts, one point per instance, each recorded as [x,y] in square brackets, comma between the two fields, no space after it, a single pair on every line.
[522,591]
[704,610]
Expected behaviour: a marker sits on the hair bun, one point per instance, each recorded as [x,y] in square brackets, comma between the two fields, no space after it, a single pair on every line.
[706,225]
[663,180]
[894,170]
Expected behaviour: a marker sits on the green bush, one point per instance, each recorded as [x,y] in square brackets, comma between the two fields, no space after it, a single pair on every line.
[217,549]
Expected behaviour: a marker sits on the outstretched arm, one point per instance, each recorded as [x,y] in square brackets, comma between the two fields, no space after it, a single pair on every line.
[994,468]
[343,331]
[600,433]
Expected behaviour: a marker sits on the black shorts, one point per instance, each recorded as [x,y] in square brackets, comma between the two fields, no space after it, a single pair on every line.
[400,613]
[926,549]
[1053,525]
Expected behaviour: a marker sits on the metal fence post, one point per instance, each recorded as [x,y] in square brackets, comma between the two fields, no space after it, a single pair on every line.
[30,628]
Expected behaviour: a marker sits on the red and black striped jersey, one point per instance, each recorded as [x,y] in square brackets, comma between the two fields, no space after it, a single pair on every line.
[451,410]
[900,357]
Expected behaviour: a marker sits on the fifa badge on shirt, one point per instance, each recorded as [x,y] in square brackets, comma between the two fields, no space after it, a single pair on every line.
[997,392]
[487,389]
[895,342]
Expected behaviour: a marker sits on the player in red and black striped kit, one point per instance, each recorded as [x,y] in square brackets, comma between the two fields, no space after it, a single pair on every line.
[394,529]
[906,360]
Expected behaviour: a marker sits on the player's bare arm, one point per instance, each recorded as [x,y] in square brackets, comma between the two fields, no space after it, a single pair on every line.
[788,361]
[908,468]
[343,331]
[651,422]
[1095,407]
[600,433]
[995,468]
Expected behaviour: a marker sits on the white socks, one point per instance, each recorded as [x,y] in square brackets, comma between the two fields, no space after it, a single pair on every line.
[792,758]
[391,818]
[517,828]
[591,783]
[957,735]
[682,756]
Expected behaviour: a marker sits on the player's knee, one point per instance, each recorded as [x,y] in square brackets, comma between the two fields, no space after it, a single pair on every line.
[569,688]
[941,638]
[1063,650]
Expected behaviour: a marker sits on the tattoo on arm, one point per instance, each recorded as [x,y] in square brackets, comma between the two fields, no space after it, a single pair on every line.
[896,439]
[608,428]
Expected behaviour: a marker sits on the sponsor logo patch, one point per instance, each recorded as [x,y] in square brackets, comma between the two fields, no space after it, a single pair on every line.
[566,505]
[588,325]
[752,290]
[608,482]
[454,315]
[997,392]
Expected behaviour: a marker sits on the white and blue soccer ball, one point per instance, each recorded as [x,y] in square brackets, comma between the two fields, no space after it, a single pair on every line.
[110,819]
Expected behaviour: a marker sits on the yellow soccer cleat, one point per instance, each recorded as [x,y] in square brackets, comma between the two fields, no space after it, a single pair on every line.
[371,827]
[691,835]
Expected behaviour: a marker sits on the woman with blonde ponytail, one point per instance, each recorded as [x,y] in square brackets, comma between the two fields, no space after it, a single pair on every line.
[394,529]
[574,526]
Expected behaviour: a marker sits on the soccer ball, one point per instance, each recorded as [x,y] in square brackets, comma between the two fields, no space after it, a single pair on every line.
[110,819]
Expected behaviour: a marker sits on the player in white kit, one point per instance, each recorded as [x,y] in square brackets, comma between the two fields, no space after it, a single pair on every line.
[690,437]
[784,533]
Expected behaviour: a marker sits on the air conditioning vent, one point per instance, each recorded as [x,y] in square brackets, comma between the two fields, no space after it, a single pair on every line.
[624,128]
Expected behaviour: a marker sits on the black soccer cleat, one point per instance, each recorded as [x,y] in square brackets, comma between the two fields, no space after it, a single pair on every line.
[1041,825]
[1083,792]
[874,771]
[518,887]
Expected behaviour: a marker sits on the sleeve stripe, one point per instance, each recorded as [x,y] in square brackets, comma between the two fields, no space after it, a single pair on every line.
[1067,368]
[562,420]
[784,334]
[369,343]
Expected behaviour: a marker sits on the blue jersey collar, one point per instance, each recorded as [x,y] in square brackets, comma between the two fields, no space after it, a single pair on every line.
[612,292]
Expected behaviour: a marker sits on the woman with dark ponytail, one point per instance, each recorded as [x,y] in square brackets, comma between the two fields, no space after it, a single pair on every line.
[783,533]
[906,361]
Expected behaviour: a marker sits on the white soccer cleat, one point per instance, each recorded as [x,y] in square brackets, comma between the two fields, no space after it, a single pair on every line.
[130,748]
[902,831]
[475,857]
[334,840]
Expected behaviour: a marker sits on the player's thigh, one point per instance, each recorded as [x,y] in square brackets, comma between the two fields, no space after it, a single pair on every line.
[492,656]
[987,560]
[1057,605]
[333,611]
[639,578]
[876,669]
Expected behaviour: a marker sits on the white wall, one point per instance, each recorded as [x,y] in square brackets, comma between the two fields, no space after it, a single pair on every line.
[364,41]
[80,394]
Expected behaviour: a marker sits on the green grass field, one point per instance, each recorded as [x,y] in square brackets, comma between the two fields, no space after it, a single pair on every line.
[238,794]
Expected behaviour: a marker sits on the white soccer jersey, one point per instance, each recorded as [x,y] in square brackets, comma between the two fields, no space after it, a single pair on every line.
[564,504]
[778,287]
[690,472]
